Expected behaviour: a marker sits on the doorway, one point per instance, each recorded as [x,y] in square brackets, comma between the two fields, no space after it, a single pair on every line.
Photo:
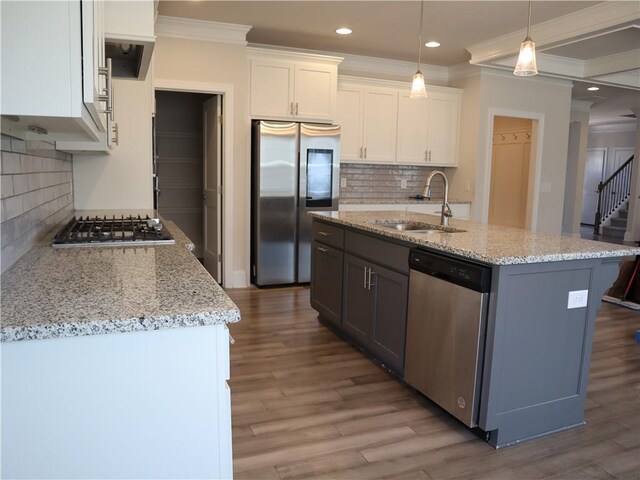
[594,170]
[511,172]
[188,170]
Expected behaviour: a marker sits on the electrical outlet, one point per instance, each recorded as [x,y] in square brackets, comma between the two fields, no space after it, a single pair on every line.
[403,183]
[343,182]
[467,185]
[578,299]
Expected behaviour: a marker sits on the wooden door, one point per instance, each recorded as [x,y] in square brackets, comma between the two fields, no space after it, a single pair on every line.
[391,291]
[326,282]
[593,174]
[509,179]
[412,130]
[357,304]
[212,201]
[379,125]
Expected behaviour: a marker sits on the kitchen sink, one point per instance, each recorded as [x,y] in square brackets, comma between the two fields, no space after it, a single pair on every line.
[417,227]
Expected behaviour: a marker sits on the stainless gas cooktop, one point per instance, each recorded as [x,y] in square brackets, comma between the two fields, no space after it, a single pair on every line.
[112,231]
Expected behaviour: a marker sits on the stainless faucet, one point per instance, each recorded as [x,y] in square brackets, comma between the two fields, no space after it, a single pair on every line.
[426,192]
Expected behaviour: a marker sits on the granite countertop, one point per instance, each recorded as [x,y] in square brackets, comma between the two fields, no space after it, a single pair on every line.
[69,292]
[490,244]
[394,201]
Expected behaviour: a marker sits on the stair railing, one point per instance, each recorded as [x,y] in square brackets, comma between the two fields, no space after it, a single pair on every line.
[612,193]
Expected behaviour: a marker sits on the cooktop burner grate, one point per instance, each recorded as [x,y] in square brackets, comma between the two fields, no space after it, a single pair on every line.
[103,231]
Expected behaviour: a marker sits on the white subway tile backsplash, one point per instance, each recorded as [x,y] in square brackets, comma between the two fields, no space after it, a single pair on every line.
[36,195]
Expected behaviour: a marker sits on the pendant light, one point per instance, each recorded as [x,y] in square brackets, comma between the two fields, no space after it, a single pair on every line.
[527,65]
[418,89]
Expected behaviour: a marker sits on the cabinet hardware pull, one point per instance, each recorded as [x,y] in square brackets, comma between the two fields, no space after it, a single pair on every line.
[231,340]
[429,155]
[364,283]
[365,153]
[323,250]
[369,284]
[360,152]
[296,108]
[324,234]
[107,94]
[291,109]
[116,138]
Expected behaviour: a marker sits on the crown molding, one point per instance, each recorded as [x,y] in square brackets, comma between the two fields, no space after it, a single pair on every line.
[508,73]
[191,29]
[629,79]
[256,50]
[359,64]
[616,63]
[598,20]
[581,105]
[614,128]
[463,70]
[346,80]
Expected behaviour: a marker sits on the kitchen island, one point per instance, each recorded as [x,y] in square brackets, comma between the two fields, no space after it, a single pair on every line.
[534,345]
[100,377]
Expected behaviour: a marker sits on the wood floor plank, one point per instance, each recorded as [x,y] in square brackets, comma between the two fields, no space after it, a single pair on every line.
[306,404]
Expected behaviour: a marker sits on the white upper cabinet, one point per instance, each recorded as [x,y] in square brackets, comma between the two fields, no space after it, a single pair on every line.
[291,86]
[381,124]
[367,118]
[428,128]
[52,69]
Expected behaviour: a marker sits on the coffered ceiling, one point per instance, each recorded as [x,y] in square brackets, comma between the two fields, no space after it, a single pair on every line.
[590,42]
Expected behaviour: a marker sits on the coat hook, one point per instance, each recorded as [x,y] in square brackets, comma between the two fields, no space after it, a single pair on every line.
[515,137]
[502,136]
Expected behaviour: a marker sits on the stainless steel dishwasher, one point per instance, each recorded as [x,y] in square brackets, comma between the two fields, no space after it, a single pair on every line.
[448,300]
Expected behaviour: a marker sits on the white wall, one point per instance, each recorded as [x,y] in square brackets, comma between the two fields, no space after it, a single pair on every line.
[122,179]
[550,100]
[599,139]
[193,61]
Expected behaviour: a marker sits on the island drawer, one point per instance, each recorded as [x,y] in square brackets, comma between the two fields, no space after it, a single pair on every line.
[382,252]
[328,234]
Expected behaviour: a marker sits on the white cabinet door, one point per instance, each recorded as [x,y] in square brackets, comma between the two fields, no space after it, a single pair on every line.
[272,89]
[412,130]
[47,80]
[380,115]
[349,117]
[442,136]
[315,92]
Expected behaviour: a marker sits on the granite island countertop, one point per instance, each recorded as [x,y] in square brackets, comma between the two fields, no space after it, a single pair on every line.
[69,292]
[491,244]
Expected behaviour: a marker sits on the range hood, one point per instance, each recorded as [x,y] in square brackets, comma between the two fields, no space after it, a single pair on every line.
[130,58]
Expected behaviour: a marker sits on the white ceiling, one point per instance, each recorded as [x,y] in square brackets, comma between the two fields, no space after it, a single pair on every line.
[592,42]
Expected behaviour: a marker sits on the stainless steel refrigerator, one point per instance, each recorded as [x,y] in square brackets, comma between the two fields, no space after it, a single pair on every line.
[295,170]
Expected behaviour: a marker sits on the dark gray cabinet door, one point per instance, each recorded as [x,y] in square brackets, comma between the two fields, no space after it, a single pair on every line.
[326,281]
[357,300]
[389,315]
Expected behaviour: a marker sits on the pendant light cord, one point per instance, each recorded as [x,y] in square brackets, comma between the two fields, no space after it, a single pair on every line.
[529,21]
[420,33]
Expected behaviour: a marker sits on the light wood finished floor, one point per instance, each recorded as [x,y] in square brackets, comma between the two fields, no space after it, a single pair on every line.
[306,404]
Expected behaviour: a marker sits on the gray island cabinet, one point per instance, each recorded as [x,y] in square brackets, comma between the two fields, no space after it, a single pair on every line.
[536,350]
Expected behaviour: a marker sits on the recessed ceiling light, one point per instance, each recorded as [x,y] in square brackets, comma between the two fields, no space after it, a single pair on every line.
[432,44]
[593,89]
[344,31]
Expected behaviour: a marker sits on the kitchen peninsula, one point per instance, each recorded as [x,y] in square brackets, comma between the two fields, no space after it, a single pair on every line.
[534,344]
[100,377]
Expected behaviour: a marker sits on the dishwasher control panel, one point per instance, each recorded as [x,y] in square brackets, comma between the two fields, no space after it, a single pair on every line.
[464,273]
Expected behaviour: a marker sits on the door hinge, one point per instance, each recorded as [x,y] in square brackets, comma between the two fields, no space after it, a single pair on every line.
[219,189]
[220,119]
[219,258]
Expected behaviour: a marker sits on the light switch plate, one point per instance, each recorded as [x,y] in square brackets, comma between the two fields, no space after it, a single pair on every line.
[343,182]
[578,299]
[403,183]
